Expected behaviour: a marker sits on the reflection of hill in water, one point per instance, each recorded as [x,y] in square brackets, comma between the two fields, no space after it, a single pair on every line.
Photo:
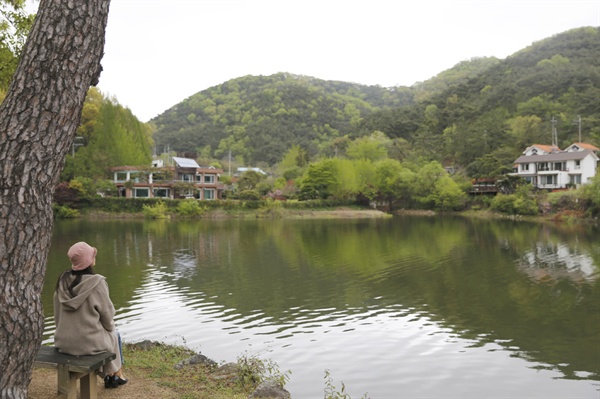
[282,277]
[461,273]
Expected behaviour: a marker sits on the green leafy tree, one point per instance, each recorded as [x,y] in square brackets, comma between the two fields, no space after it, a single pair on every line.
[249,180]
[527,130]
[15,24]
[106,187]
[109,135]
[373,147]
[319,180]
[425,183]
[352,177]
[522,202]
[591,192]
[84,186]
[488,166]
[448,195]
[386,184]
[293,162]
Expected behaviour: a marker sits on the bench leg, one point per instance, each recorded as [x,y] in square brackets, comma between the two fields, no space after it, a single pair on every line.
[67,384]
[89,386]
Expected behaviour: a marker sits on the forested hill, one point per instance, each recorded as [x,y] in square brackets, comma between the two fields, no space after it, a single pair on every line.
[484,123]
[481,112]
[259,118]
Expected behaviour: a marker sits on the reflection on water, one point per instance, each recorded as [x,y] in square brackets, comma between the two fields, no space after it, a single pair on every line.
[407,307]
[554,262]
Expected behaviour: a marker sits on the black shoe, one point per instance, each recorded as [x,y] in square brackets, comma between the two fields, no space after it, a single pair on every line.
[119,380]
[110,381]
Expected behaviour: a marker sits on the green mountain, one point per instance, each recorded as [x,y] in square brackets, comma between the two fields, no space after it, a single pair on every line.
[478,114]
[260,117]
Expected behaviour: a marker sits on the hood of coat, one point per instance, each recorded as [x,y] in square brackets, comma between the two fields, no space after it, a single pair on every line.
[82,291]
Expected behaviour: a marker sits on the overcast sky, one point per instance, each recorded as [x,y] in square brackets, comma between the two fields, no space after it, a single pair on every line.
[159,52]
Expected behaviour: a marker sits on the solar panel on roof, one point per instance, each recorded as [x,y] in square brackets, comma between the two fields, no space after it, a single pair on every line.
[186,162]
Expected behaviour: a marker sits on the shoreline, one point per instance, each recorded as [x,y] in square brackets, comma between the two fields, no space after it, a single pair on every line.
[350,213]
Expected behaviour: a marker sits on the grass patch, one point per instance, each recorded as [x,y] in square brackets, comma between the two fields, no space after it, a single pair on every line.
[157,361]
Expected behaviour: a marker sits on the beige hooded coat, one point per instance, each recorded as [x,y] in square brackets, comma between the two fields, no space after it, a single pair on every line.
[85,322]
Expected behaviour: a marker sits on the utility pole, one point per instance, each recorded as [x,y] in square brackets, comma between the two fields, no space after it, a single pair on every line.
[554,138]
[76,143]
[578,123]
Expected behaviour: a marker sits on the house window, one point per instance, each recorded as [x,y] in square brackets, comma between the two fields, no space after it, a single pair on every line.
[141,192]
[135,176]
[187,177]
[577,164]
[120,176]
[575,179]
[543,166]
[162,192]
[158,176]
[548,180]
[209,194]
[525,166]
[209,179]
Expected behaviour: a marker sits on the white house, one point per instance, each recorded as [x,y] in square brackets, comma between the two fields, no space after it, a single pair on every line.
[549,167]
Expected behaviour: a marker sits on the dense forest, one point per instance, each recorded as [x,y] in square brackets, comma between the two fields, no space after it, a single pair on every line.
[477,116]
[258,118]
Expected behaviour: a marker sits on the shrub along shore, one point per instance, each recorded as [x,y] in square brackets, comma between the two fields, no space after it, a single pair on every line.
[557,207]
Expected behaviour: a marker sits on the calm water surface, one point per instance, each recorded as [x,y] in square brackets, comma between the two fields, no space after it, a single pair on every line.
[409,307]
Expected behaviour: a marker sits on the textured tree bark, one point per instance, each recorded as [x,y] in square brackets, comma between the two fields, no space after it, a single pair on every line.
[38,121]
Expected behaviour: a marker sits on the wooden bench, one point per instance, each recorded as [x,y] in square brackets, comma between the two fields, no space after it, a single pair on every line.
[72,368]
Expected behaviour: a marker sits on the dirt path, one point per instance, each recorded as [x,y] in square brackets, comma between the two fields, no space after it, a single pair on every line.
[44,386]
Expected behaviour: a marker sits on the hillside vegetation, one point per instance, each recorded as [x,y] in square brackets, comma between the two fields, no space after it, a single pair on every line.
[339,141]
[477,116]
[258,118]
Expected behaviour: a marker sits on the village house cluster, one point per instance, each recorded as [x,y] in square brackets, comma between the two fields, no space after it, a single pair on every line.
[543,166]
[183,178]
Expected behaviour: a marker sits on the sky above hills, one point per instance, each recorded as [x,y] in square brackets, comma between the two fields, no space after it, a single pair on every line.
[159,52]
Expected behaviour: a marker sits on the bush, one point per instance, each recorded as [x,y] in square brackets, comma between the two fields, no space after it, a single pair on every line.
[515,204]
[84,186]
[566,200]
[249,195]
[525,206]
[190,208]
[504,203]
[156,211]
[272,207]
[64,212]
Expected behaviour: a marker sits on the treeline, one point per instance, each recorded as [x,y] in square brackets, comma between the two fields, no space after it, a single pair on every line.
[256,119]
[109,135]
[368,176]
[478,116]
[483,124]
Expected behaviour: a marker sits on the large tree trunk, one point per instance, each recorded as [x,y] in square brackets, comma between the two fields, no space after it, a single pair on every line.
[38,122]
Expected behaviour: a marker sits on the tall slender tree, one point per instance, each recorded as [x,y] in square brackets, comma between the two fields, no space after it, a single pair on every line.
[38,121]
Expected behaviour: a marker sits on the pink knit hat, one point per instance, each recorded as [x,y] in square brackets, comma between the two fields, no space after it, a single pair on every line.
[81,255]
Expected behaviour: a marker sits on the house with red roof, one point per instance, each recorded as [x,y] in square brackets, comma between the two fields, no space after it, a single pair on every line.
[549,167]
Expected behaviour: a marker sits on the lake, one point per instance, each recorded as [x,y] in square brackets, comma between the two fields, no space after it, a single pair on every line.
[405,307]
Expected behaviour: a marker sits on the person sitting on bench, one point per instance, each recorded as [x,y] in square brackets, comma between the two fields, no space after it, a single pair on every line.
[84,314]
